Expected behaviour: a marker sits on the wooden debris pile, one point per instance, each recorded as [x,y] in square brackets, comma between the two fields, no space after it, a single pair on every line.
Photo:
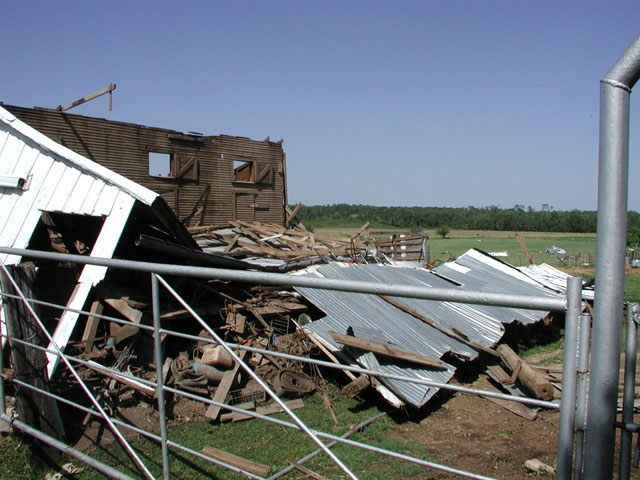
[285,246]
[262,317]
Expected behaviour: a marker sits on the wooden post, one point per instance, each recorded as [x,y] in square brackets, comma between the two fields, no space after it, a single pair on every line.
[29,364]
[525,250]
[531,379]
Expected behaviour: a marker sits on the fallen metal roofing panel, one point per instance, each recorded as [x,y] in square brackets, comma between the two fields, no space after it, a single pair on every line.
[552,278]
[477,271]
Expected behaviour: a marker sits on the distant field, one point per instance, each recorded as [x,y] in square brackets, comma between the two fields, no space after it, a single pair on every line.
[580,247]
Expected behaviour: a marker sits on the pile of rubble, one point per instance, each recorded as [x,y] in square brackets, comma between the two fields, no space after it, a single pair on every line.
[413,338]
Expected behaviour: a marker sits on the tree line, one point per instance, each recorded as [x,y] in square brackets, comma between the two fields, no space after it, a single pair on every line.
[518,218]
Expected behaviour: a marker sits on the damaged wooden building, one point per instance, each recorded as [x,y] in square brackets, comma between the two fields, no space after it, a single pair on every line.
[206,180]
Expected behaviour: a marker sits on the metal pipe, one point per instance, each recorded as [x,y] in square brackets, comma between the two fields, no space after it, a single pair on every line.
[583,383]
[532,302]
[569,372]
[633,310]
[140,431]
[309,456]
[328,436]
[77,377]
[257,378]
[3,404]
[66,449]
[157,344]
[613,182]
[534,402]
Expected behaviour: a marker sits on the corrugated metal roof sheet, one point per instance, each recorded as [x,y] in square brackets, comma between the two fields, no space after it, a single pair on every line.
[552,278]
[372,318]
[477,271]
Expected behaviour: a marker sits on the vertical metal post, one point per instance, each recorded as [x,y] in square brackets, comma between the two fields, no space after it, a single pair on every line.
[613,174]
[157,343]
[569,379]
[633,309]
[583,383]
[3,405]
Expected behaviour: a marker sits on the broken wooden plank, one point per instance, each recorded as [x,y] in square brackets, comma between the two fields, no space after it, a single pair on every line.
[240,462]
[89,334]
[514,407]
[458,335]
[121,305]
[318,343]
[388,350]
[223,388]
[305,470]
[266,410]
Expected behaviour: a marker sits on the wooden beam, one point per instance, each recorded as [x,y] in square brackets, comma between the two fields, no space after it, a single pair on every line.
[236,461]
[294,212]
[90,329]
[388,350]
[446,330]
[110,88]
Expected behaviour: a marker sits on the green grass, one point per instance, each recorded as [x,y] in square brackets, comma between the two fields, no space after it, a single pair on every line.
[16,462]
[580,247]
[632,288]
[273,445]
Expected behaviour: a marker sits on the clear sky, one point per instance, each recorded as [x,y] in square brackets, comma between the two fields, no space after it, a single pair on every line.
[398,103]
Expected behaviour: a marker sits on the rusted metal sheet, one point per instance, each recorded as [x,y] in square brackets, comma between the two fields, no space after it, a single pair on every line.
[244,179]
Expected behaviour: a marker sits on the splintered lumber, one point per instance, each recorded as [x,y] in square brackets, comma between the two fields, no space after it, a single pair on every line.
[223,388]
[530,378]
[266,410]
[388,350]
[122,306]
[446,330]
[236,461]
[305,470]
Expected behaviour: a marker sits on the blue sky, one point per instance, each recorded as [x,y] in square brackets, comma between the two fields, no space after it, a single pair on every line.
[428,103]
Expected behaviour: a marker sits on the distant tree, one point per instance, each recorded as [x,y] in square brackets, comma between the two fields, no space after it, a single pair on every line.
[443,231]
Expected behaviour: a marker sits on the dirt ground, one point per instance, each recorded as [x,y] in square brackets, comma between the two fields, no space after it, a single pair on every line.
[474,434]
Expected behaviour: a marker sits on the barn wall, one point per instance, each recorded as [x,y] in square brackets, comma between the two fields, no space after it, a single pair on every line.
[202,178]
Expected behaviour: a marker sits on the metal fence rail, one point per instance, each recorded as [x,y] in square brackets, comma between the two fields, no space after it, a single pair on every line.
[277,279]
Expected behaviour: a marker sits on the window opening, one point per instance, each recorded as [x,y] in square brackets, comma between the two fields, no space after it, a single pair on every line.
[159,164]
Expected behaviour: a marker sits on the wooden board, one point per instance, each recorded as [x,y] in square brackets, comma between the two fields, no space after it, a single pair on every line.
[223,388]
[388,350]
[236,461]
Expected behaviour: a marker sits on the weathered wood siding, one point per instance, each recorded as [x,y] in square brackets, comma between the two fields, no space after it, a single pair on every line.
[201,183]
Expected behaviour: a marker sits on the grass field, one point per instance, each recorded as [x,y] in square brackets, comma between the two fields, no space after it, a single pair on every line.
[580,247]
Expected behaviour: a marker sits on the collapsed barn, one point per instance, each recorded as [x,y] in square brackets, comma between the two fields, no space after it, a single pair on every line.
[56,202]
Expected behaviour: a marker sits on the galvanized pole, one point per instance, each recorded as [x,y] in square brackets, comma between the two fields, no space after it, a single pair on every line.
[613,174]
[569,377]
[157,343]
[583,382]
[633,310]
